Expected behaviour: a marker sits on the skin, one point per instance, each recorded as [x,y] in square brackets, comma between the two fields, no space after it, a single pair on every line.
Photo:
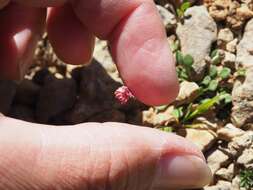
[94,155]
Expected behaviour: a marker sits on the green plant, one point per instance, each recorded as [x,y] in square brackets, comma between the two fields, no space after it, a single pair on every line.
[214,91]
[213,71]
[241,72]
[215,57]
[201,108]
[204,106]
[246,179]
[178,112]
[175,46]
[185,63]
[181,10]
[225,73]
[167,129]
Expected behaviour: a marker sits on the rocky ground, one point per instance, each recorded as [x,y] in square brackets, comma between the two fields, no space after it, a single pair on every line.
[213,44]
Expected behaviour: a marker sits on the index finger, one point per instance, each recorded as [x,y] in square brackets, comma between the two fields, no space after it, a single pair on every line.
[139,45]
[138,42]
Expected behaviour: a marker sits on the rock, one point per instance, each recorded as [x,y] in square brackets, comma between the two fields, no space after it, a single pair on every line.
[217,159]
[229,60]
[22,112]
[109,116]
[7,93]
[151,117]
[236,183]
[56,96]
[244,12]
[84,110]
[246,158]
[241,142]
[221,185]
[196,36]
[202,138]
[224,184]
[40,76]
[134,117]
[148,116]
[96,91]
[234,13]
[102,55]
[229,131]
[218,9]
[225,35]
[245,47]
[168,18]
[27,93]
[242,111]
[96,85]
[188,92]
[226,173]
[231,46]
[216,187]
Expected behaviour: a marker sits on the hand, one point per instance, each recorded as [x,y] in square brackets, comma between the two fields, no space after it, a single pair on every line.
[92,155]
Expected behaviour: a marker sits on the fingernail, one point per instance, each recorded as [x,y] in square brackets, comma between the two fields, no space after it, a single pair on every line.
[178,172]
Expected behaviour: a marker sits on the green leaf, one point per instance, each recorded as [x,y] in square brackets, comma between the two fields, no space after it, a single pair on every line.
[175,46]
[206,80]
[216,59]
[188,60]
[180,13]
[167,129]
[182,73]
[188,112]
[246,178]
[213,71]
[179,57]
[213,85]
[241,72]
[203,107]
[178,112]
[226,97]
[225,73]
[185,6]
[214,53]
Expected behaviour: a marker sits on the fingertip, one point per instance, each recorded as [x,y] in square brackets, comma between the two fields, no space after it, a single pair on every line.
[144,58]
[72,42]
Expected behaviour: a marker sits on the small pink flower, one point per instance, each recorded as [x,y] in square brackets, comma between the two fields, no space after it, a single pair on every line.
[123,94]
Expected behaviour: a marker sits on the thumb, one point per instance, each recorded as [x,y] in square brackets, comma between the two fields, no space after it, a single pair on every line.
[96,156]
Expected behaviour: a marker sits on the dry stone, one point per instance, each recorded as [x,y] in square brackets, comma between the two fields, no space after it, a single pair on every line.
[242,111]
[188,92]
[196,35]
[245,47]
[225,35]
[56,96]
[216,159]
[27,93]
[246,158]
[229,131]
[7,93]
[202,138]
[169,19]
[226,173]
[103,56]
[231,46]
